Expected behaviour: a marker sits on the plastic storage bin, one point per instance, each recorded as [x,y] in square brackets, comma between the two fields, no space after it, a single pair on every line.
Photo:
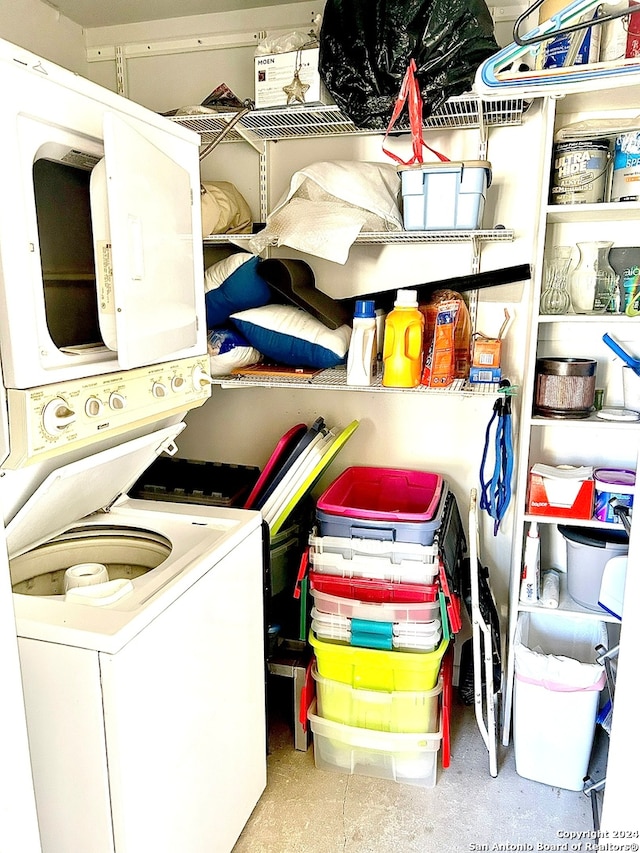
[444,195]
[195,481]
[373,589]
[383,503]
[402,757]
[414,636]
[384,611]
[377,669]
[284,558]
[556,696]
[394,711]
[359,566]
[376,549]
[588,552]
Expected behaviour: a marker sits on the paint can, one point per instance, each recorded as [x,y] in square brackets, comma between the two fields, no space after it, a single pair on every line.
[625,185]
[580,171]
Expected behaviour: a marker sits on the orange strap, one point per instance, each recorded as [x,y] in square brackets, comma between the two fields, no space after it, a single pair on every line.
[410,94]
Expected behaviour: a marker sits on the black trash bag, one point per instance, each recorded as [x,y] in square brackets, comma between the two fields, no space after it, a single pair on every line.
[366,45]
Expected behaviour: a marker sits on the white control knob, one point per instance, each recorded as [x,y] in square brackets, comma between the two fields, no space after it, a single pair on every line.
[201,378]
[177,383]
[93,407]
[159,390]
[57,416]
[117,401]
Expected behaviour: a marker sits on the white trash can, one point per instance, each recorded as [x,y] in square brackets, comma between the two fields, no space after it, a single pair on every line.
[556,696]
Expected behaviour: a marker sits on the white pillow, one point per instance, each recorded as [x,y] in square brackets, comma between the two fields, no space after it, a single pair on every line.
[289,335]
[217,273]
[228,350]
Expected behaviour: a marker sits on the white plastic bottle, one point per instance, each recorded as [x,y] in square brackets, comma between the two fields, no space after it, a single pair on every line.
[362,359]
[530,581]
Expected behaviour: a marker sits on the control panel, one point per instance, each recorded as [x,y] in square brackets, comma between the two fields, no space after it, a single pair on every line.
[51,419]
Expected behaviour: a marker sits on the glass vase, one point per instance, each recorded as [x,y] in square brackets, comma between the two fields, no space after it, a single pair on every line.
[555,297]
[593,282]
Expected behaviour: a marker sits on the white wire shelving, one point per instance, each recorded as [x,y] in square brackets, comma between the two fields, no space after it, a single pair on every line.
[296,122]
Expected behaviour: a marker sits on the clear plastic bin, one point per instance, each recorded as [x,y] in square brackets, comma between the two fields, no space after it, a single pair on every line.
[412,636]
[411,758]
[384,611]
[325,562]
[373,590]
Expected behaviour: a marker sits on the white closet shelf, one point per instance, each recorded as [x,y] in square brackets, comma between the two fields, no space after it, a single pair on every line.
[335,379]
[463,111]
[592,422]
[495,235]
[557,213]
[566,604]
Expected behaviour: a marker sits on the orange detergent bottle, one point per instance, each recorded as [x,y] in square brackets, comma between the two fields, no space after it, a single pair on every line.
[402,349]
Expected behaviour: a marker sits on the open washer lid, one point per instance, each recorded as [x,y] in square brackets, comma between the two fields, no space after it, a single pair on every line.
[78,489]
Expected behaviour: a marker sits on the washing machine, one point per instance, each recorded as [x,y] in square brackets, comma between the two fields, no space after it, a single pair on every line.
[139,624]
[144,691]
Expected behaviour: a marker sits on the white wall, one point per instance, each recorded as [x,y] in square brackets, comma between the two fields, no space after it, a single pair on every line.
[434,434]
[42,30]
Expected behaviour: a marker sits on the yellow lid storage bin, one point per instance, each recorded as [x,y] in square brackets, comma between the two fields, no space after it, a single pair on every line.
[376,669]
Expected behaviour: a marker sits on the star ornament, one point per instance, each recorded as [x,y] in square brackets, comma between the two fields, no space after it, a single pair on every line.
[296,90]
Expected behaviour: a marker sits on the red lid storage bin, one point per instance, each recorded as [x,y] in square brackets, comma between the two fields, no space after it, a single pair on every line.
[365,589]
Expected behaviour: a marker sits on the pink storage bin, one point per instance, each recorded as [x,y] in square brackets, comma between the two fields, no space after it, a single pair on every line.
[383,494]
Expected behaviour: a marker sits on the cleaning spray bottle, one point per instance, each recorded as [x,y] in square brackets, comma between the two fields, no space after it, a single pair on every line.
[402,351]
[530,580]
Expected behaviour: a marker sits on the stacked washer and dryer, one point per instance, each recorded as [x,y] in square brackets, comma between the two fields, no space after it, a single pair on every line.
[140,624]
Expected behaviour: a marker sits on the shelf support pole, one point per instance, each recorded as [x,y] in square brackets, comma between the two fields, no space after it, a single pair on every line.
[483,147]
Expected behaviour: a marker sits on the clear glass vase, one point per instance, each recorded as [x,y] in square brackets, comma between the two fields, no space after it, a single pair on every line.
[555,298]
[593,281]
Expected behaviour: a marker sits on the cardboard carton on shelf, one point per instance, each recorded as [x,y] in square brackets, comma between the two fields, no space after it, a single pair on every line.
[561,491]
[275,72]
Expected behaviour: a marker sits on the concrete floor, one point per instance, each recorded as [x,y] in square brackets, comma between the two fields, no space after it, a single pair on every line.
[306,810]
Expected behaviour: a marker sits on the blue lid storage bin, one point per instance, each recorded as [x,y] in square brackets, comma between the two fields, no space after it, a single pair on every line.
[441,196]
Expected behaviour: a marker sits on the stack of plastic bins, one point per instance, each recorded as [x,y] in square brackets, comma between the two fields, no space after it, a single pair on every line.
[379,625]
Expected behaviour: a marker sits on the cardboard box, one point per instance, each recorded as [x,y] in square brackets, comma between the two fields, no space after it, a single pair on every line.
[562,498]
[486,352]
[274,71]
[485,366]
[484,375]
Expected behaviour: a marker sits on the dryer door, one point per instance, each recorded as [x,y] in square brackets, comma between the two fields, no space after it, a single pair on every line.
[142,212]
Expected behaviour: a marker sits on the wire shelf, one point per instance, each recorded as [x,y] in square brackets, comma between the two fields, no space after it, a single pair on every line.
[495,235]
[295,122]
[335,379]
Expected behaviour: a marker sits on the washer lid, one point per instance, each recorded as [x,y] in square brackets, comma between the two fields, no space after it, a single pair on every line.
[82,487]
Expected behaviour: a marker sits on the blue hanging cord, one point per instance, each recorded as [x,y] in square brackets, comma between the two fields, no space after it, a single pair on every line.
[495,493]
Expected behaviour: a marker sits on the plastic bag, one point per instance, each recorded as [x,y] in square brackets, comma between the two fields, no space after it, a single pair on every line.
[436,371]
[224,209]
[365,49]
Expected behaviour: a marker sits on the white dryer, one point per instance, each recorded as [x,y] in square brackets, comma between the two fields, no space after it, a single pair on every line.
[144,694]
